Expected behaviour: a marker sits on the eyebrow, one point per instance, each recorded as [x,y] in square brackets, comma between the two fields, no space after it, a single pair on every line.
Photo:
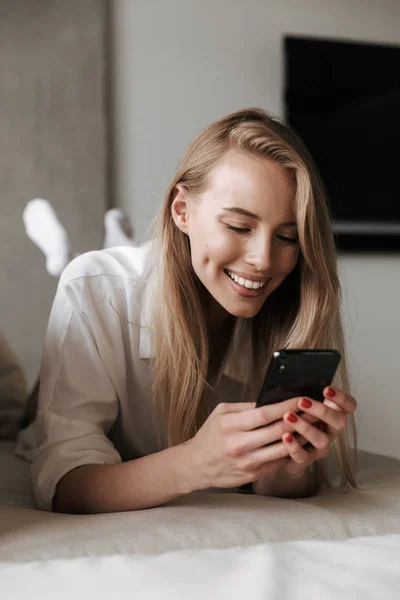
[246,213]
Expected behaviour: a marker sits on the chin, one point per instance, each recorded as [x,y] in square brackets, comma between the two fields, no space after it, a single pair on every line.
[245,312]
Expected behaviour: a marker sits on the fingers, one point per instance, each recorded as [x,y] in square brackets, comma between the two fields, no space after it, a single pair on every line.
[298,454]
[257,428]
[275,456]
[234,407]
[274,432]
[249,441]
[263,415]
[318,438]
[249,426]
[336,420]
[268,454]
[337,399]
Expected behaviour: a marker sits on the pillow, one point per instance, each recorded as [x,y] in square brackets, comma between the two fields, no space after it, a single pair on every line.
[13,391]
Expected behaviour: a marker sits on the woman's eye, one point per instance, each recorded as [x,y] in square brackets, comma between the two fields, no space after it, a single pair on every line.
[237,229]
[288,240]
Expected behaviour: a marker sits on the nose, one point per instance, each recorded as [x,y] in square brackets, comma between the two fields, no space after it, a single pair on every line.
[260,254]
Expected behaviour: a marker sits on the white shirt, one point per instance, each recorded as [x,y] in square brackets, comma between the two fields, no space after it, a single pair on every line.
[95,392]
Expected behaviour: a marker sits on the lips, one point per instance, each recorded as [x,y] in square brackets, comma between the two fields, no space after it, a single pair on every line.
[248,282]
[244,291]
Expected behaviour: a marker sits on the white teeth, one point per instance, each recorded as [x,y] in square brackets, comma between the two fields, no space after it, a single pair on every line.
[247,283]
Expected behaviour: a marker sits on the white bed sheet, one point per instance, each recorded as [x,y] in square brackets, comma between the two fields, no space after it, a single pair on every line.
[363,568]
[206,545]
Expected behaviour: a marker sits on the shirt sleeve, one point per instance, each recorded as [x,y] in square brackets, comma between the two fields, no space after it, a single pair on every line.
[78,404]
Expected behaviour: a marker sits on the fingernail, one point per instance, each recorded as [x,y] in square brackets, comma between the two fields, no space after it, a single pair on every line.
[305,403]
[330,392]
[292,418]
[288,438]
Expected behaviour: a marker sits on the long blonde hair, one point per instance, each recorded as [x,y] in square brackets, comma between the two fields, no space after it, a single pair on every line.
[303,312]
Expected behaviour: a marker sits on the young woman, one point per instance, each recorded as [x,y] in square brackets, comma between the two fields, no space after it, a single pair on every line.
[154,356]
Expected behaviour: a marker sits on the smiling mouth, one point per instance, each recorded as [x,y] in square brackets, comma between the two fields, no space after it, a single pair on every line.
[247,284]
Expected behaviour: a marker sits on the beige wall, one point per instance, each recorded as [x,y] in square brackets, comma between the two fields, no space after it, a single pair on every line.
[53,145]
[181,64]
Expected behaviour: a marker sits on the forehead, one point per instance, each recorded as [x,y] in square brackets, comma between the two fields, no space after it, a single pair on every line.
[252,183]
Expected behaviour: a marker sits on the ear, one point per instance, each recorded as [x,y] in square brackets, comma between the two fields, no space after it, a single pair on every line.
[180,208]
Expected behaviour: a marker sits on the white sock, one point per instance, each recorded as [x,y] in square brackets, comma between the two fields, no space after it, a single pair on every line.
[117,228]
[45,230]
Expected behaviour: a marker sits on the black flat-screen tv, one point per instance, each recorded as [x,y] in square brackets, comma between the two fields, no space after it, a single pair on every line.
[343,98]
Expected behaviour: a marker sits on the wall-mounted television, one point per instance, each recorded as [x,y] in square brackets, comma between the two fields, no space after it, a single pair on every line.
[343,98]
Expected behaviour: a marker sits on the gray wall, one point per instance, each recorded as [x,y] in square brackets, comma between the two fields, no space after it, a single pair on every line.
[53,133]
[179,65]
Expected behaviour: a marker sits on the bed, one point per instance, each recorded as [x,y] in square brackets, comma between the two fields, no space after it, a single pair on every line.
[213,545]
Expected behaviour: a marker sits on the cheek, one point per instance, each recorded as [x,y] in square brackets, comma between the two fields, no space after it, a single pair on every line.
[214,247]
[288,262]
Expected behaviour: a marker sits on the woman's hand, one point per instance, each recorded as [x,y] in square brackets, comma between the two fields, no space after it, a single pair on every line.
[236,445]
[330,419]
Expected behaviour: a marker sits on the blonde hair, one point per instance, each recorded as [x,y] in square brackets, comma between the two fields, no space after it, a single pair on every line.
[303,312]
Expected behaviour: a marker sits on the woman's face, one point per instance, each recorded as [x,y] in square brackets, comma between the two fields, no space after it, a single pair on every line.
[242,232]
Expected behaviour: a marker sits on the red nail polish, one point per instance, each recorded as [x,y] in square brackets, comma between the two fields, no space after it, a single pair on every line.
[288,438]
[330,392]
[292,418]
[306,403]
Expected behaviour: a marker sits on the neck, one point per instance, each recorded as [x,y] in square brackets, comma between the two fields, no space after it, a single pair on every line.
[217,316]
[219,330]
[219,337]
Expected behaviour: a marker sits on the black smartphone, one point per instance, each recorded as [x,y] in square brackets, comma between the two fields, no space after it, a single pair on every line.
[293,373]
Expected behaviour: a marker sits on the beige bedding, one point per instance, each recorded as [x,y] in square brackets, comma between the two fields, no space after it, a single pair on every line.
[200,520]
